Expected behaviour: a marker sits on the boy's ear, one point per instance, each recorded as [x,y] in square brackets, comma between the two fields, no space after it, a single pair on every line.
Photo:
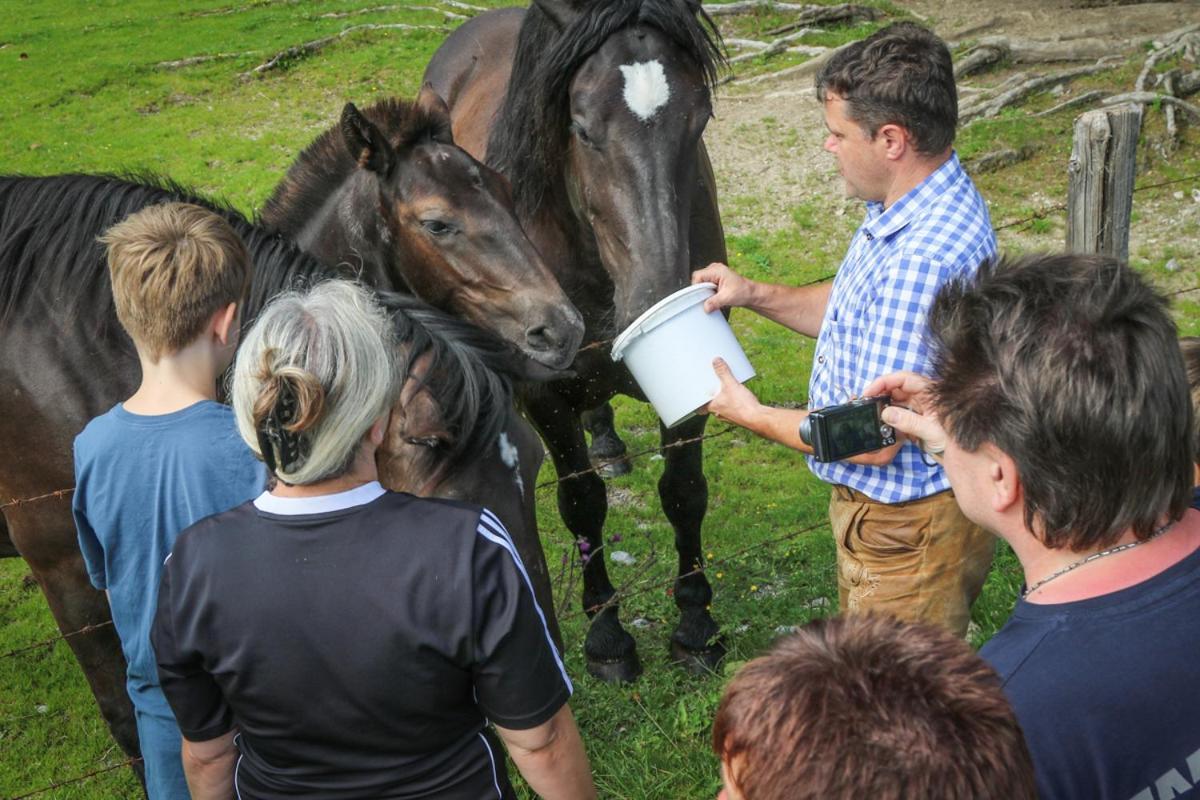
[225,323]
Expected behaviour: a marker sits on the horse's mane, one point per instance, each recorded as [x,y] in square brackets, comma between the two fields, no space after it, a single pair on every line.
[49,228]
[469,376]
[529,138]
[326,163]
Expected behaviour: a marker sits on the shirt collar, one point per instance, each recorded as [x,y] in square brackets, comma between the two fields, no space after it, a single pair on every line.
[884,222]
[320,504]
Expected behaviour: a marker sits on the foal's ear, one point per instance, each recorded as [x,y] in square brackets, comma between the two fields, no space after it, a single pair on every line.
[435,108]
[562,12]
[366,144]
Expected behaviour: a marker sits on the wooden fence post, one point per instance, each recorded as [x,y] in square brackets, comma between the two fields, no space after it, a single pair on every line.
[1101,172]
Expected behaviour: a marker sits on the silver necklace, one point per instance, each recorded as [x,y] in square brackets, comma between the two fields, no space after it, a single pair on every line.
[1088,559]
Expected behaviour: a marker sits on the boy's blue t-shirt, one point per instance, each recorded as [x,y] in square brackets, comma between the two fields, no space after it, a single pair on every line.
[139,481]
[1107,690]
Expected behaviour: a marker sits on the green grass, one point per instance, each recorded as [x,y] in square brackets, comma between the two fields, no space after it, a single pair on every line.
[88,97]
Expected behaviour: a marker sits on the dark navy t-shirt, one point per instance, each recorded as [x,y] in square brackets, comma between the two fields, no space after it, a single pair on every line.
[359,642]
[139,481]
[1107,690]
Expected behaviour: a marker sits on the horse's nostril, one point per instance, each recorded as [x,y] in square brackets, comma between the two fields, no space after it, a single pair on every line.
[542,337]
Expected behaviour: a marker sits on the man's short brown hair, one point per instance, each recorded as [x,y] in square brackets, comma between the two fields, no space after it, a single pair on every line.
[173,266]
[870,706]
[901,75]
[1190,345]
[1069,363]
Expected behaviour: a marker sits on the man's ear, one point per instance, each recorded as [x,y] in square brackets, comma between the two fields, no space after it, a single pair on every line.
[225,324]
[1006,490]
[896,140]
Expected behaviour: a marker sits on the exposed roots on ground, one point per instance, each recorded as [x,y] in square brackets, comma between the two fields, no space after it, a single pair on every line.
[308,48]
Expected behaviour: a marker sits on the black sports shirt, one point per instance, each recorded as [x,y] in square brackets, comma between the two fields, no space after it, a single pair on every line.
[359,642]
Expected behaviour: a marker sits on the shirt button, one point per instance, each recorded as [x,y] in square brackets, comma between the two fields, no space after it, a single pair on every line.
[870,236]
[820,359]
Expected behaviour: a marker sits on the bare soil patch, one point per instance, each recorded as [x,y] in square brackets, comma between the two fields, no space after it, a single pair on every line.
[766,140]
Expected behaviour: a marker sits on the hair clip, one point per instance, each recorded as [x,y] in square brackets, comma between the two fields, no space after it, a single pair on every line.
[280,447]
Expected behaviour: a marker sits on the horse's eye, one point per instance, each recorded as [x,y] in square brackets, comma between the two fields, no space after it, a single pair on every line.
[436,227]
[583,137]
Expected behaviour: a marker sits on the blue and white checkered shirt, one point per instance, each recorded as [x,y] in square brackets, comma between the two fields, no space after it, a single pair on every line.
[875,322]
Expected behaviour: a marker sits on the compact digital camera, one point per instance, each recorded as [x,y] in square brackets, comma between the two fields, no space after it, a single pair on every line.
[839,432]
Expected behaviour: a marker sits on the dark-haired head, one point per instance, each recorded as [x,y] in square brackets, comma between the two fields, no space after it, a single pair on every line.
[1190,345]
[870,706]
[1069,364]
[899,75]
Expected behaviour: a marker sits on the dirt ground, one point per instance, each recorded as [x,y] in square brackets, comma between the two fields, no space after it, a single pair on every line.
[766,139]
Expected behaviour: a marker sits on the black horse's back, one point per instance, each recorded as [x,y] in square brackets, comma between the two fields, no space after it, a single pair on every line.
[49,248]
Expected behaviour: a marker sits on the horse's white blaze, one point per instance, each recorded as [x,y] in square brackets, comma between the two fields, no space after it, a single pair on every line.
[646,88]
[511,459]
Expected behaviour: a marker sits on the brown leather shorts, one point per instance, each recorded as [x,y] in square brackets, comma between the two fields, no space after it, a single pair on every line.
[920,560]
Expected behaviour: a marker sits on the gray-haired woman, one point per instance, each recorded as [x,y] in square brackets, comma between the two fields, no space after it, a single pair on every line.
[332,639]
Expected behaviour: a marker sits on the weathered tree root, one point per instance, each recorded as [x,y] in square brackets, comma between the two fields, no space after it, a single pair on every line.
[192,61]
[992,50]
[308,48]
[990,107]
[781,45]
[741,7]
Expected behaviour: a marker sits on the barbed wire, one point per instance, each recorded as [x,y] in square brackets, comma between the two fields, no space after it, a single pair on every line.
[79,779]
[34,499]
[90,628]
[629,590]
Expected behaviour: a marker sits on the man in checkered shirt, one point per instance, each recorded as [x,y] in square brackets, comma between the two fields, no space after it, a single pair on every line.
[891,107]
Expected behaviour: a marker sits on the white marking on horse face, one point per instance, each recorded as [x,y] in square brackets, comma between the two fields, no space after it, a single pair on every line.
[646,88]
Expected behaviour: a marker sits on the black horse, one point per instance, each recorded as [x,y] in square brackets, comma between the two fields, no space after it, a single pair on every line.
[64,359]
[594,110]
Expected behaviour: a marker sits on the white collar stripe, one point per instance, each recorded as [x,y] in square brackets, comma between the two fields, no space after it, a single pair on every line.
[492,758]
[486,522]
[321,504]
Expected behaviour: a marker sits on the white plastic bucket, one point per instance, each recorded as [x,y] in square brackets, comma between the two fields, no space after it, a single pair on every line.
[670,350]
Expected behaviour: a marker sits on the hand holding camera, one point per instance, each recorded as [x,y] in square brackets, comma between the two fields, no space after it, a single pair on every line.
[839,432]
[918,420]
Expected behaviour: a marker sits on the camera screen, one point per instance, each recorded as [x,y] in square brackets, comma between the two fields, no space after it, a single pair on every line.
[853,431]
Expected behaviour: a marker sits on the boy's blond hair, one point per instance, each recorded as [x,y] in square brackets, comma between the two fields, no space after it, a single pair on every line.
[173,266]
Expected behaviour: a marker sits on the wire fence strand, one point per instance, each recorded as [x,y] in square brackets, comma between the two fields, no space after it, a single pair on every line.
[79,779]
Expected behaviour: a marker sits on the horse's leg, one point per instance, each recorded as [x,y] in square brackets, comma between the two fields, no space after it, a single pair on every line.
[683,489]
[47,542]
[583,503]
[606,447]
[7,548]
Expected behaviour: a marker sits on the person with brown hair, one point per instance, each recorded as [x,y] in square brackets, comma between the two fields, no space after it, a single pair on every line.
[869,706]
[1190,345]
[1061,412]
[170,454]
[333,639]
[891,106]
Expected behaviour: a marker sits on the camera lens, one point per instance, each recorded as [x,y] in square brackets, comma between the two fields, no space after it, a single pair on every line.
[806,431]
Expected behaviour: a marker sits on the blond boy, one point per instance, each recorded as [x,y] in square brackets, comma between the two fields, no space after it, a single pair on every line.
[170,454]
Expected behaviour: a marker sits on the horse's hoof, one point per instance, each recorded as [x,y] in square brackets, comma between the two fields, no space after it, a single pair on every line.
[614,469]
[621,670]
[698,662]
